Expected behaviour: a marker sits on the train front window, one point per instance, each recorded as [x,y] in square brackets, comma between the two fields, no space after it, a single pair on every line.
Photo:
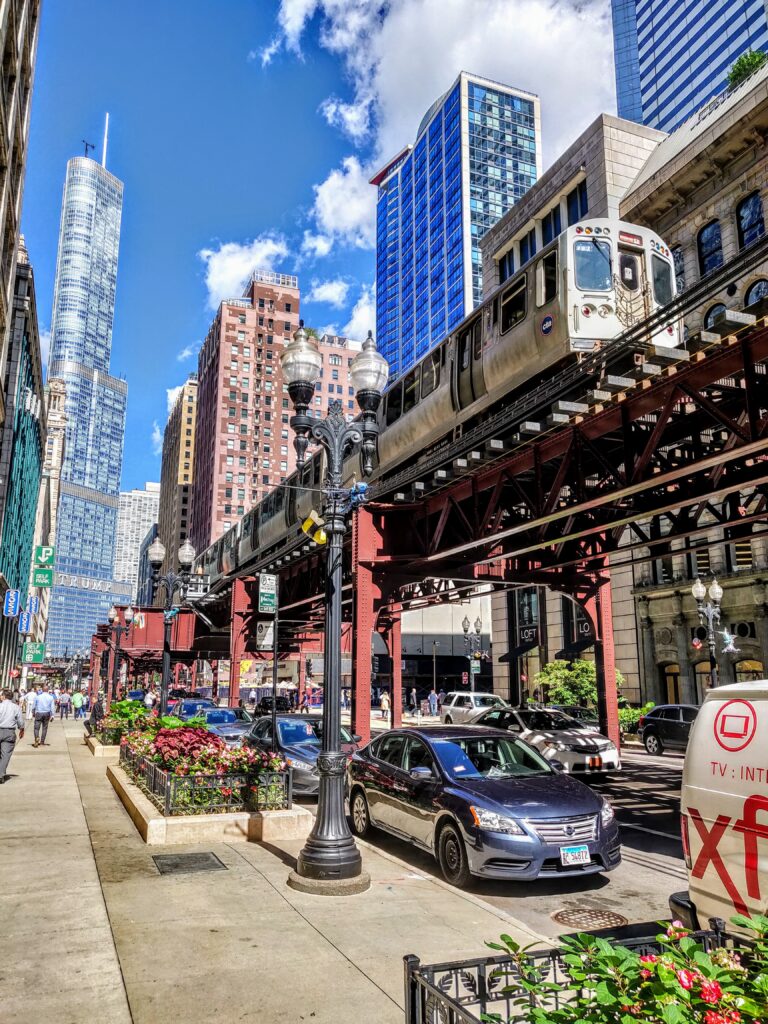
[663,288]
[592,259]
[629,271]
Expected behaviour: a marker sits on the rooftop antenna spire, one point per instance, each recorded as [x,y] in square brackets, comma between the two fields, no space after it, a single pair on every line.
[88,145]
[106,137]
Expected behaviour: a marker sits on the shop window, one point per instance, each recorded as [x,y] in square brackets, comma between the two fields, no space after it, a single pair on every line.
[710,247]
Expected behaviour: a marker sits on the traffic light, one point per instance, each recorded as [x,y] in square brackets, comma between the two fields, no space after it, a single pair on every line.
[313,527]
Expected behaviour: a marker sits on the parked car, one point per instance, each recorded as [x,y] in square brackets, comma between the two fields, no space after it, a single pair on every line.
[460,707]
[587,716]
[190,707]
[135,695]
[574,746]
[298,741]
[483,803]
[264,706]
[666,727]
[231,724]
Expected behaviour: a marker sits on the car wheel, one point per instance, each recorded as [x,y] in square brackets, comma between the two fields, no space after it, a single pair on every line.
[358,812]
[452,856]
[448,720]
[653,744]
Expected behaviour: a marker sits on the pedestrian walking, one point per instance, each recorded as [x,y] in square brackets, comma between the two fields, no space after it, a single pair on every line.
[413,703]
[252,697]
[305,703]
[10,721]
[77,703]
[96,718]
[65,704]
[45,705]
[440,699]
[385,704]
[433,703]
[29,702]
[150,698]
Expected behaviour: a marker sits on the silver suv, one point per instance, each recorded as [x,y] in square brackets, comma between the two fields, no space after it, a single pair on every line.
[462,707]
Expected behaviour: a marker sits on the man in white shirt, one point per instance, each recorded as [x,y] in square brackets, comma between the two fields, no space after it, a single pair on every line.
[10,721]
[29,702]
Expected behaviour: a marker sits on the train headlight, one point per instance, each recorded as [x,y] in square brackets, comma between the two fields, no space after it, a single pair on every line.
[588,309]
[670,329]
[605,310]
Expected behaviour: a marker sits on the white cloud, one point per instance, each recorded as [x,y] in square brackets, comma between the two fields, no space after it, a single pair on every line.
[186,353]
[171,394]
[45,346]
[157,438]
[345,206]
[228,267]
[363,316]
[315,245]
[332,292]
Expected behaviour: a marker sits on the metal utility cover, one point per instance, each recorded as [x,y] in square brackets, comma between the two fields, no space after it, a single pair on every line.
[589,918]
[186,863]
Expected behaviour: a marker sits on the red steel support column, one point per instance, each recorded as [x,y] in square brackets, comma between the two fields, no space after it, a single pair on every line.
[363,621]
[237,638]
[396,654]
[600,611]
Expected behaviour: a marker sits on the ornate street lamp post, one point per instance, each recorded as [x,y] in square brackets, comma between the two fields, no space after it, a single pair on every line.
[330,861]
[471,641]
[119,630]
[172,583]
[709,616]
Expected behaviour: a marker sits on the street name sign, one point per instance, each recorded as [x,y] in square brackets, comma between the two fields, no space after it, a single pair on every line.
[267,593]
[33,653]
[44,554]
[11,603]
[474,667]
[42,577]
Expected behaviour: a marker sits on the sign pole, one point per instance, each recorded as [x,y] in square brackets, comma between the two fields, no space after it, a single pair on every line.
[274,667]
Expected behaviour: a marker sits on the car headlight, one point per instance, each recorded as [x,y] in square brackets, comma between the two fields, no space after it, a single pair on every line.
[296,762]
[606,813]
[495,822]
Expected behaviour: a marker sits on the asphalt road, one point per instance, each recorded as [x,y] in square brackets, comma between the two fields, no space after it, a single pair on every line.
[646,798]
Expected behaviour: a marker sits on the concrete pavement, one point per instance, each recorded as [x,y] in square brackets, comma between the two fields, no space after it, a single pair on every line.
[91,928]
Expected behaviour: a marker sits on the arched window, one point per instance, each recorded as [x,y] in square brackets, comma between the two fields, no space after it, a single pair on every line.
[712,314]
[757,290]
[710,246]
[677,259]
[749,219]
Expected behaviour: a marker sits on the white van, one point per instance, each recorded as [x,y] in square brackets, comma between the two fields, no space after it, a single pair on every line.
[724,807]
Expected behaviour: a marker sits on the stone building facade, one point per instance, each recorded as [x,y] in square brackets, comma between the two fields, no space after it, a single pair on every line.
[177,474]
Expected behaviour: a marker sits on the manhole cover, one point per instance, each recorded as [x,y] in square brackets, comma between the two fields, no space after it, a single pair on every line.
[587,919]
[184,863]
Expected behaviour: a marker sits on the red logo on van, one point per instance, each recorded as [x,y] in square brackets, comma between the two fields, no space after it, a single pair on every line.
[735,725]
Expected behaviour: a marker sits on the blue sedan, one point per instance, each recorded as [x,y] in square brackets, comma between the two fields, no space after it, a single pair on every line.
[483,803]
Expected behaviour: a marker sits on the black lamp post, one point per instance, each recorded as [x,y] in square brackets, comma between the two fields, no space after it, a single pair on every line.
[471,641]
[119,631]
[709,616]
[330,861]
[172,583]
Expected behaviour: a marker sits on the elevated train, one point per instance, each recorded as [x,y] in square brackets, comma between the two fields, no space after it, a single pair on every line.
[580,292]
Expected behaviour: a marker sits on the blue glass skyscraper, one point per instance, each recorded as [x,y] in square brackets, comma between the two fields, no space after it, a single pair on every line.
[477,151]
[672,56]
[81,342]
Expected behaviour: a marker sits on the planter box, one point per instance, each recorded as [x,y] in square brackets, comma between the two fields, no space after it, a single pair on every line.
[110,737]
[99,749]
[236,826]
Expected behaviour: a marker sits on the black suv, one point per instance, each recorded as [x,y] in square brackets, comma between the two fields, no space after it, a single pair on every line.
[667,726]
[264,707]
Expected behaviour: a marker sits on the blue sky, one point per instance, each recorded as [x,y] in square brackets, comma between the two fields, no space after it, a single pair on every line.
[245,131]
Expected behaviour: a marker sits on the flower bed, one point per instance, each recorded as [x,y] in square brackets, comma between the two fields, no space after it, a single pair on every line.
[673,978]
[191,771]
[110,736]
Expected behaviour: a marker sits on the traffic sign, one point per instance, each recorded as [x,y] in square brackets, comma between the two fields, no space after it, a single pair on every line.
[42,577]
[33,653]
[44,556]
[265,635]
[33,604]
[25,622]
[267,593]
[474,667]
[11,603]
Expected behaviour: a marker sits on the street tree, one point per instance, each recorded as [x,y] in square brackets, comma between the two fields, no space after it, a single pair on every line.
[571,682]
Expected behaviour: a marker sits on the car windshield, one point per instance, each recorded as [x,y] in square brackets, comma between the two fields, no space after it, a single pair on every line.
[311,732]
[487,700]
[220,716]
[548,721]
[488,757]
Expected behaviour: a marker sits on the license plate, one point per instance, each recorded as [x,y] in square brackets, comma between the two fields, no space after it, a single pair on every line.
[595,762]
[574,855]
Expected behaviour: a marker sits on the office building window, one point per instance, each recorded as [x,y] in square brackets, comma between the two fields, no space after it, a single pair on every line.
[756,292]
[710,246]
[506,266]
[576,202]
[749,219]
[550,225]
[528,246]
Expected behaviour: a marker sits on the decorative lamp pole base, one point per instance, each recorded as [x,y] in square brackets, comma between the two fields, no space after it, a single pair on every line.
[330,886]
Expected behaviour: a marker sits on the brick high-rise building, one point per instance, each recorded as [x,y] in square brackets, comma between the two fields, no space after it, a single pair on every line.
[177,473]
[243,408]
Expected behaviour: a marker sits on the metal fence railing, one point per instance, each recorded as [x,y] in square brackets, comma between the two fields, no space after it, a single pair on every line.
[208,794]
[109,737]
[468,991]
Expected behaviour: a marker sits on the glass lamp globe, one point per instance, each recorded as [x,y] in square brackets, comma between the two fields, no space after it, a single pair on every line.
[715,591]
[156,553]
[369,370]
[112,614]
[466,624]
[478,625]
[186,554]
[128,615]
[300,359]
[698,590]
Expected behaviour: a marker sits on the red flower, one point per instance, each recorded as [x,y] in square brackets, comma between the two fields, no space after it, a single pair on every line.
[686,978]
[711,1017]
[649,958]
[710,991]
[645,973]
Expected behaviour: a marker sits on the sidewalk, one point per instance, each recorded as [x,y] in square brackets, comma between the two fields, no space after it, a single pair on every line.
[86,908]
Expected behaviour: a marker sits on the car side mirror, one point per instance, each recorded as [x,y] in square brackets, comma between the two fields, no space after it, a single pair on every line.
[421,774]
[557,765]
[357,738]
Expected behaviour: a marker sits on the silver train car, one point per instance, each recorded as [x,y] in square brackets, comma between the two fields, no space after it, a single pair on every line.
[580,292]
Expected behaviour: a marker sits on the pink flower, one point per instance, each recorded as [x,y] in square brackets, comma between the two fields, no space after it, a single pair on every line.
[649,958]
[710,991]
[711,1017]
[686,978]
[645,973]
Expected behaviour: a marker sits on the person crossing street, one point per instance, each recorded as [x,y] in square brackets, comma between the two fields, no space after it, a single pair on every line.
[10,721]
[45,706]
